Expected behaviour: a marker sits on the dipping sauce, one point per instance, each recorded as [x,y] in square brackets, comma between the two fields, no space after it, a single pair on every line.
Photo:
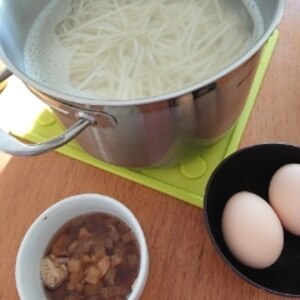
[93,256]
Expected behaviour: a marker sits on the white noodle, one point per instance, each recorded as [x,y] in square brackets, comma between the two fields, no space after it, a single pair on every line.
[110,14]
[219,10]
[135,49]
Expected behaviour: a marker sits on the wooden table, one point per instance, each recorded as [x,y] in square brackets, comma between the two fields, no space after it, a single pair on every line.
[184,264]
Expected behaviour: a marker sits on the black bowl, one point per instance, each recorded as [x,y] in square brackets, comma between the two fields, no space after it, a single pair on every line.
[251,169]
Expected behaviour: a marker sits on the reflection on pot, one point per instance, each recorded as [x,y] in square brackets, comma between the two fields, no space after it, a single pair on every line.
[218,106]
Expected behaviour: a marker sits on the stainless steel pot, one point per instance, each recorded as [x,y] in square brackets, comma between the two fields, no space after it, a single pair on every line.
[151,132]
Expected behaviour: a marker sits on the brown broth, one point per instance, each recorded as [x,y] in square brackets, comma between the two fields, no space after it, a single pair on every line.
[92,257]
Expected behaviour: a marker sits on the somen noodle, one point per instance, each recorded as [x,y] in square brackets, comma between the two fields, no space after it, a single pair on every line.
[131,49]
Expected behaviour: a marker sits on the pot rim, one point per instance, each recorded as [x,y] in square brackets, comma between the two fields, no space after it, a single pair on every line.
[72,99]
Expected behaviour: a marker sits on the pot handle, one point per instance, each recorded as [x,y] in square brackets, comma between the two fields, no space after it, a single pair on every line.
[11,145]
[4,74]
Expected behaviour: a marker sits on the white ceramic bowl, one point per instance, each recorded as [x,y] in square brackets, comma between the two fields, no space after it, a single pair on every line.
[32,249]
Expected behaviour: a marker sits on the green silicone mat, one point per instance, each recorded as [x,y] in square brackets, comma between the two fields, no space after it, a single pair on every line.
[186,181]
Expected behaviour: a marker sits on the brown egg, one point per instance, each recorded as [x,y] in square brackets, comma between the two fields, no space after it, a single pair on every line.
[252,231]
[284,194]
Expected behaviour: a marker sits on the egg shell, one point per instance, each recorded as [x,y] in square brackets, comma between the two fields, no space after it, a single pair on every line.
[284,195]
[252,231]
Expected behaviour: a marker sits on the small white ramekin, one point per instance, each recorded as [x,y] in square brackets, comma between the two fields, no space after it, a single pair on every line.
[35,241]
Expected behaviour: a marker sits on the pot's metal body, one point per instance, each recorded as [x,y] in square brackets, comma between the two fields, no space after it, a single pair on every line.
[141,133]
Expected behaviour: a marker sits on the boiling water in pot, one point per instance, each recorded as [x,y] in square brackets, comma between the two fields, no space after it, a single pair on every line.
[129,49]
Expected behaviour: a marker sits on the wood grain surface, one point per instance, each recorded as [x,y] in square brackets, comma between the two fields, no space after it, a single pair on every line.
[184,264]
